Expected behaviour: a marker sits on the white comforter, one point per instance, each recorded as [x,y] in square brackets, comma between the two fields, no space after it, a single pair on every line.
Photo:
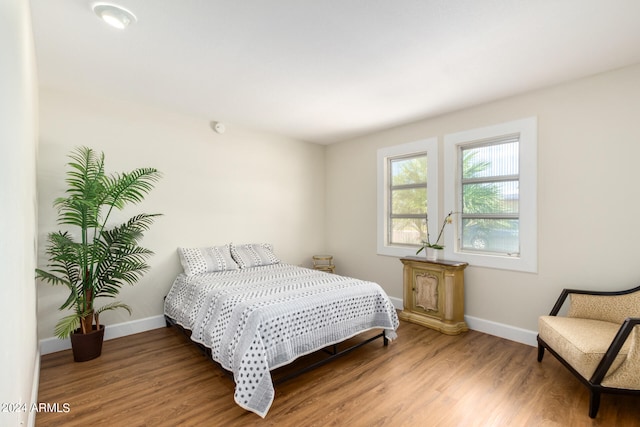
[260,318]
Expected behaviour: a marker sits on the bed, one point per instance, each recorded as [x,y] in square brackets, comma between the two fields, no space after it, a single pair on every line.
[255,314]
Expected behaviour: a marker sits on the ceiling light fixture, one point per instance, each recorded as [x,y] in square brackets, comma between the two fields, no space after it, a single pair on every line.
[116,16]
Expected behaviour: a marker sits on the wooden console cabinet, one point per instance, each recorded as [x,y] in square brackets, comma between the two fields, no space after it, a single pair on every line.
[434,294]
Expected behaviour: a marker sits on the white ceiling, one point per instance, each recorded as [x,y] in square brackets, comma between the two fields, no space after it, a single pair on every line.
[328,70]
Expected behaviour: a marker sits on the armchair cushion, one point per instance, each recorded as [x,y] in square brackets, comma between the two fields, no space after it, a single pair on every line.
[581,342]
[610,308]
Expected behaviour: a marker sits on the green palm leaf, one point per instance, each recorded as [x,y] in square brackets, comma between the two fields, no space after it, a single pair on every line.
[113,306]
[67,325]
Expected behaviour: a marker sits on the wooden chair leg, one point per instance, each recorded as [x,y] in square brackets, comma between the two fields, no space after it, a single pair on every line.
[540,352]
[594,403]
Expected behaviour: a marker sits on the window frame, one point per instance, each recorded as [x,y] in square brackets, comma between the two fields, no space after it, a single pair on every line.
[526,130]
[428,146]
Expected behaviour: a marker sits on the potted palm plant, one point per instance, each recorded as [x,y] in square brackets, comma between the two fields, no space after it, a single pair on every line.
[101,257]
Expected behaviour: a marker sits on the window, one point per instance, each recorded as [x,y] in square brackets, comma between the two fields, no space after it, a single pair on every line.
[490,182]
[404,192]
[407,189]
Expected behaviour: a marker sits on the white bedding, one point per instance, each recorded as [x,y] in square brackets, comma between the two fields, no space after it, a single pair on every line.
[260,318]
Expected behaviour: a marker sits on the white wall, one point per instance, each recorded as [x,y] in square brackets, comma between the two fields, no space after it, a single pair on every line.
[19,356]
[588,204]
[241,186]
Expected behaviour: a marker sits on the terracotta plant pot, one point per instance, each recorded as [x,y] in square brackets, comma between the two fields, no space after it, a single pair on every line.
[87,346]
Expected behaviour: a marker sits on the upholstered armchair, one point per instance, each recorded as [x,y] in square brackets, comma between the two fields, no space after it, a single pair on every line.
[598,340]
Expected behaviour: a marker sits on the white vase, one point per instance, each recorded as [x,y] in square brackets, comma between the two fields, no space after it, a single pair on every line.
[432,254]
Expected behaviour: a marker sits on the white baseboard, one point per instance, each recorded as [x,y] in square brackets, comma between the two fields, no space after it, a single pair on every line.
[397,303]
[523,336]
[512,333]
[51,345]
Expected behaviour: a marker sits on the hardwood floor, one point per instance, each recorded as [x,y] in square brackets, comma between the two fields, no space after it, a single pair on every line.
[424,378]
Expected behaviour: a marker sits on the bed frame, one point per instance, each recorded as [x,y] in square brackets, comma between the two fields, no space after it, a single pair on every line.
[332,352]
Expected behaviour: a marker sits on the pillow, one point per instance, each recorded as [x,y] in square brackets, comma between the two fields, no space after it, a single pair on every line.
[253,255]
[206,260]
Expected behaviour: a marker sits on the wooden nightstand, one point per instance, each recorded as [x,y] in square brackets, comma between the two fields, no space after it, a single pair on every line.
[434,294]
[324,263]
